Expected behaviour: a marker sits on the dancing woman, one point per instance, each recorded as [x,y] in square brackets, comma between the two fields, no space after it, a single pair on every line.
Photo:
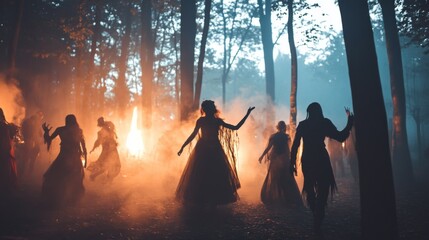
[63,181]
[210,176]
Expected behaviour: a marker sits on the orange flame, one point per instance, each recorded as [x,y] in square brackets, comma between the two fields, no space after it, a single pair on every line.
[135,144]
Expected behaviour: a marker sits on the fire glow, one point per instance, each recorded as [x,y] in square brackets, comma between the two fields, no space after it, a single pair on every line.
[135,144]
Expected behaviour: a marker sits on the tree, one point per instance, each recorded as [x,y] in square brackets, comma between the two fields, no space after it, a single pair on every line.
[121,89]
[236,32]
[378,210]
[415,23]
[294,70]
[264,10]
[15,37]
[188,29]
[147,52]
[400,151]
[200,68]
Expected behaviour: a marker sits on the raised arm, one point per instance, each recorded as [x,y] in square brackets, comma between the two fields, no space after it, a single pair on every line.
[269,146]
[190,138]
[48,138]
[238,126]
[342,135]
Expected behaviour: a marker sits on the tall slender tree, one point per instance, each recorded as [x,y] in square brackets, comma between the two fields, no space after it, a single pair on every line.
[147,52]
[188,30]
[402,167]
[122,91]
[15,38]
[264,9]
[378,210]
[89,79]
[294,70]
[200,68]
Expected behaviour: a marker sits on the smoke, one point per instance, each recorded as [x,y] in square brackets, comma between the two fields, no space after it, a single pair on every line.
[146,185]
[11,100]
[149,182]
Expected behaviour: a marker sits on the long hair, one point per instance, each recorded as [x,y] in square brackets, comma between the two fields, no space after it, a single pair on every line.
[71,121]
[314,111]
[208,108]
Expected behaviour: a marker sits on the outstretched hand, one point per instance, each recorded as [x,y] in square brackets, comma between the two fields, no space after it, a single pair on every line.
[46,127]
[250,110]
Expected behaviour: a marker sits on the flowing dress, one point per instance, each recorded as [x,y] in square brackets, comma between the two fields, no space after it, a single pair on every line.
[208,177]
[108,162]
[279,185]
[63,181]
[8,171]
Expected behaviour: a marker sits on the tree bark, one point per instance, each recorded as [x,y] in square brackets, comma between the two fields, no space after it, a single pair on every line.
[188,27]
[14,41]
[200,68]
[122,91]
[402,167]
[267,46]
[378,210]
[267,43]
[147,61]
[89,79]
[294,71]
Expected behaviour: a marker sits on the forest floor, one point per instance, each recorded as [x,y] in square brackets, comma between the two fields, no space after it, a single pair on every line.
[143,213]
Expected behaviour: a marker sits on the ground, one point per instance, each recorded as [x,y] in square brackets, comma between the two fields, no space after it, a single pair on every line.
[141,212]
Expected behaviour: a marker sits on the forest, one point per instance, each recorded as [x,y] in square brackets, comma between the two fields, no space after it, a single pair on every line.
[147,66]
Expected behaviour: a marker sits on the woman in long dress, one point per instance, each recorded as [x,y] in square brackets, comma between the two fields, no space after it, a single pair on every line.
[210,176]
[63,181]
[279,186]
[108,162]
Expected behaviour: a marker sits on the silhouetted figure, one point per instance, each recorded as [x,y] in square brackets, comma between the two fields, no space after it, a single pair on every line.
[316,166]
[210,175]
[279,186]
[33,135]
[335,151]
[8,172]
[108,162]
[63,181]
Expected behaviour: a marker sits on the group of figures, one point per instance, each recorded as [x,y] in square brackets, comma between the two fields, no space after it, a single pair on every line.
[210,176]
[63,180]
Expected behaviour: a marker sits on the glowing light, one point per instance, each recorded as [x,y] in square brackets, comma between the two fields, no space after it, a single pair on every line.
[135,144]
[343,144]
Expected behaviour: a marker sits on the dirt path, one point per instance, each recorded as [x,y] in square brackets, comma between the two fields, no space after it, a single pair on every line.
[141,214]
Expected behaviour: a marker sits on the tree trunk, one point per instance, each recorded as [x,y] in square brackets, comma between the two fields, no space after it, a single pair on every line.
[188,27]
[88,93]
[402,167]
[378,210]
[267,46]
[267,43]
[122,91]
[294,71]
[14,41]
[200,68]
[147,60]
